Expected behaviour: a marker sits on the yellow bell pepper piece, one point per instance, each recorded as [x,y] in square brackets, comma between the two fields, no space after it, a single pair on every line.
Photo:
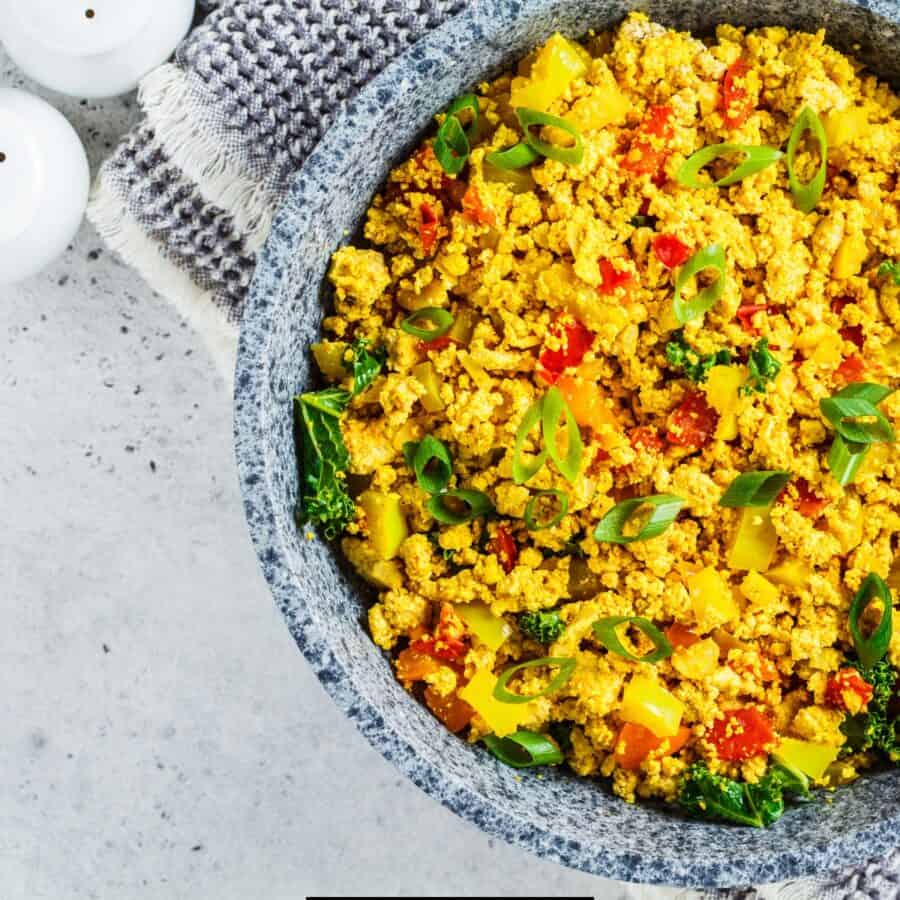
[428,377]
[723,395]
[586,401]
[387,524]
[557,64]
[712,599]
[793,573]
[845,126]
[605,106]
[465,321]
[808,757]
[850,256]
[755,540]
[329,357]
[646,702]
[519,181]
[759,590]
[501,718]
[491,630]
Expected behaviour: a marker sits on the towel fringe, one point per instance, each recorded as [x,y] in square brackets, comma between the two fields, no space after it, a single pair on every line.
[169,101]
[107,212]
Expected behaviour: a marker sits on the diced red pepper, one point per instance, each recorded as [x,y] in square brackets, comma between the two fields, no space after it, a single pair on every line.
[746,313]
[505,548]
[735,103]
[680,636]
[645,156]
[449,642]
[854,334]
[636,742]
[612,278]
[670,251]
[474,209]
[849,691]
[693,423]
[809,503]
[428,227]
[570,340]
[851,369]
[441,343]
[451,709]
[645,437]
[415,665]
[742,734]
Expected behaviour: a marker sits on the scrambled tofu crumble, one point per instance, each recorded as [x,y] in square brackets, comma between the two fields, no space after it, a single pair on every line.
[559,276]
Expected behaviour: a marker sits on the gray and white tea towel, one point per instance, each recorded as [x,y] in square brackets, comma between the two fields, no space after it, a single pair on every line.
[188,196]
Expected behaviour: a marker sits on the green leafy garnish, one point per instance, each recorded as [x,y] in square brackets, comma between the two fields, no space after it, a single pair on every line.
[322,497]
[855,416]
[431,462]
[845,458]
[710,796]
[890,269]
[654,514]
[877,728]
[365,365]
[764,368]
[544,626]
[696,365]
[755,489]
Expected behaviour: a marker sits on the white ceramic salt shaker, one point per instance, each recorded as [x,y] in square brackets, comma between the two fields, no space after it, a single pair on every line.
[44,184]
[92,48]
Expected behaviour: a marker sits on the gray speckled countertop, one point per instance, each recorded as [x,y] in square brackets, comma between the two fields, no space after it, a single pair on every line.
[162,736]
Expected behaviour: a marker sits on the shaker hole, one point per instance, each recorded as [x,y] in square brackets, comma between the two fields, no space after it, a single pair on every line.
[89,14]
[2,157]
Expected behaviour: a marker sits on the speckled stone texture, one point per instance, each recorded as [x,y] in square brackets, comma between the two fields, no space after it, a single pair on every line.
[576,822]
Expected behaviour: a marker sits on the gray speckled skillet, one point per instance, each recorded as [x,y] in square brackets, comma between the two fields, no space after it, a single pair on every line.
[575,822]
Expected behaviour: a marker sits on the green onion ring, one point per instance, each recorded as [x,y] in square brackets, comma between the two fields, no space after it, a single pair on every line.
[755,160]
[479,505]
[711,257]
[439,318]
[845,459]
[524,749]
[522,471]
[872,648]
[755,489]
[665,508]
[532,524]
[461,104]
[516,157]
[531,118]
[555,407]
[605,630]
[566,666]
[419,455]
[807,196]
[451,146]
[854,402]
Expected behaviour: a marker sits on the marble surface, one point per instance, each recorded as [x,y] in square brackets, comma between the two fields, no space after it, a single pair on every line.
[162,736]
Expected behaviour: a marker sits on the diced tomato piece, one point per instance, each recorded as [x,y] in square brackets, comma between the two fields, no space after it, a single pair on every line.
[440,343]
[635,743]
[746,313]
[612,278]
[647,156]
[450,641]
[673,744]
[656,122]
[680,636]
[451,709]
[851,369]
[742,734]
[505,548]
[428,227]
[849,691]
[809,503]
[415,665]
[670,251]
[735,102]
[693,423]
[645,437]
[854,334]
[474,209]
[570,340]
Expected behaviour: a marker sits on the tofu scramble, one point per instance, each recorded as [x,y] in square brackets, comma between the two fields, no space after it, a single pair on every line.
[614,442]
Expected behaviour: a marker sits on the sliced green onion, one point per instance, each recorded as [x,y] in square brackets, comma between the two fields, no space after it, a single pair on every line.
[477,503]
[441,322]
[555,407]
[566,666]
[872,648]
[640,221]
[605,630]
[755,160]
[522,471]
[847,409]
[461,104]
[431,462]
[515,157]
[755,489]
[711,257]
[845,460]
[524,749]
[451,146]
[532,524]
[532,118]
[665,508]
[807,196]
